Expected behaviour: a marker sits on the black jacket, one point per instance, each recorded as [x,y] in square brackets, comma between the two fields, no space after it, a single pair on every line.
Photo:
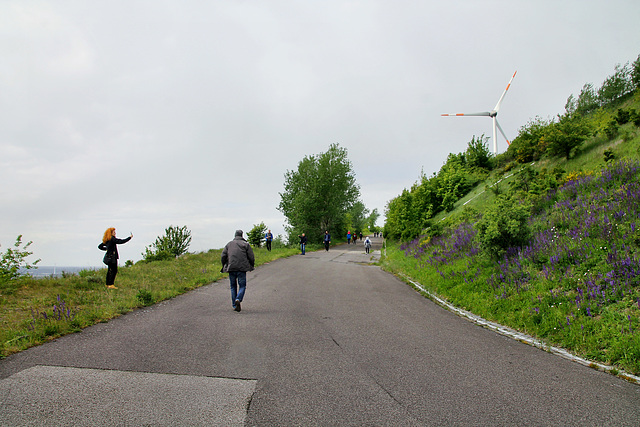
[112,245]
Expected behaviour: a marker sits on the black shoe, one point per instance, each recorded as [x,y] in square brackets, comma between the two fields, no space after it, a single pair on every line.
[237,308]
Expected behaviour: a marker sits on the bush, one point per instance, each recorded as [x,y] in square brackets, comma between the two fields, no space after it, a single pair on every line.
[145,297]
[174,243]
[503,226]
[255,237]
[14,259]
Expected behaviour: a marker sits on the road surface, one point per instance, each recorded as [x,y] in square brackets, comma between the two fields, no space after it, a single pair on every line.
[322,339]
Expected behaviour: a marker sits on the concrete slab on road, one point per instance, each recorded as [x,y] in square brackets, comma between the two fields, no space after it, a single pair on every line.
[55,395]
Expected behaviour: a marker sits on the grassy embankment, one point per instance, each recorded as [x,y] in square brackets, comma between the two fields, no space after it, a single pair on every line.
[576,285]
[33,311]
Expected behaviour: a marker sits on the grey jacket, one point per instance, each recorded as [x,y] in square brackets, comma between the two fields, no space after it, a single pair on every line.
[237,255]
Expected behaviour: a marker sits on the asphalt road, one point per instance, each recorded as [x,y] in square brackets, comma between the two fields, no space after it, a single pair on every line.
[322,339]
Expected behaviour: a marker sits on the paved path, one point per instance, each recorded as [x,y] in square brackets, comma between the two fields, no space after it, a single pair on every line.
[322,339]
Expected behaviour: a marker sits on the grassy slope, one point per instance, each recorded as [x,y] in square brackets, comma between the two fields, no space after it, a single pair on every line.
[608,334]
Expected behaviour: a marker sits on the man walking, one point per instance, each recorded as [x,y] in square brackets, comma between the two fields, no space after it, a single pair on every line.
[327,240]
[237,258]
[268,238]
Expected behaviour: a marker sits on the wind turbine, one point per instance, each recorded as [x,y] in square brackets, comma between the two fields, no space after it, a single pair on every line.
[493,114]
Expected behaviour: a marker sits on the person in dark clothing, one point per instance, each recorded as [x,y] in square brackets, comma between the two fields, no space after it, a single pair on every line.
[237,258]
[327,240]
[303,242]
[110,244]
[268,238]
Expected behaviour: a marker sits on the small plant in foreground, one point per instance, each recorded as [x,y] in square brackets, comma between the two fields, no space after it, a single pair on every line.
[59,312]
[145,297]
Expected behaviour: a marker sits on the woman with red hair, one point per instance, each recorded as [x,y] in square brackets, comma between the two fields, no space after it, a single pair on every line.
[110,244]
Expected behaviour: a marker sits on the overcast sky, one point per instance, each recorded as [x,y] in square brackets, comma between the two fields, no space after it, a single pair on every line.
[145,114]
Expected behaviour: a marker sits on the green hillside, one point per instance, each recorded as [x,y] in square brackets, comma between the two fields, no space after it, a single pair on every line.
[543,238]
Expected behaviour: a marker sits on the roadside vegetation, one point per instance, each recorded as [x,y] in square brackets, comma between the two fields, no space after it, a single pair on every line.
[35,310]
[545,237]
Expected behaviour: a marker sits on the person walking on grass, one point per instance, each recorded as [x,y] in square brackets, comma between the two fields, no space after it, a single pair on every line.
[237,258]
[348,237]
[110,244]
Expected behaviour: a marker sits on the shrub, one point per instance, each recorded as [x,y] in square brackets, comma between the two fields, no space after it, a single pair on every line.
[145,297]
[255,237]
[14,259]
[504,225]
[174,243]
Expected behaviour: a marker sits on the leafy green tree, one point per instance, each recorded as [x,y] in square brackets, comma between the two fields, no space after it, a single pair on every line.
[453,181]
[478,154]
[13,260]
[319,194]
[358,215]
[616,85]
[403,219]
[255,237]
[566,135]
[635,73]
[174,243]
[587,100]
[372,219]
[529,144]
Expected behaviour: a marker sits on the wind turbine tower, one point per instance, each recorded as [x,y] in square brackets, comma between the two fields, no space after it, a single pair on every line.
[493,114]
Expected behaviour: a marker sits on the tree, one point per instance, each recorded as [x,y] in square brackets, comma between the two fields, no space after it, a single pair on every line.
[635,73]
[372,219]
[174,243]
[358,214]
[256,235]
[13,260]
[529,144]
[478,154]
[318,195]
[616,85]
[587,100]
[566,135]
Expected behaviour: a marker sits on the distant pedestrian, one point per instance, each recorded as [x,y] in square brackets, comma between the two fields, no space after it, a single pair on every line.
[348,237]
[110,244]
[303,242]
[327,240]
[355,238]
[268,237]
[367,244]
[237,258]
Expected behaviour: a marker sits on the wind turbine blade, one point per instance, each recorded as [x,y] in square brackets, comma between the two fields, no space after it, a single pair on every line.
[502,132]
[497,108]
[482,114]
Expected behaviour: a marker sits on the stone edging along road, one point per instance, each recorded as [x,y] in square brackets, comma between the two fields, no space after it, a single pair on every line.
[524,338]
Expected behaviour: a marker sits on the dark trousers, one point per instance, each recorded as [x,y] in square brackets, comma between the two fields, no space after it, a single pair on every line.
[326,245]
[112,271]
[268,245]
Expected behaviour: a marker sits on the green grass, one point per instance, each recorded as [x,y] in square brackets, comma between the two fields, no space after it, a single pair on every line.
[539,296]
[33,311]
